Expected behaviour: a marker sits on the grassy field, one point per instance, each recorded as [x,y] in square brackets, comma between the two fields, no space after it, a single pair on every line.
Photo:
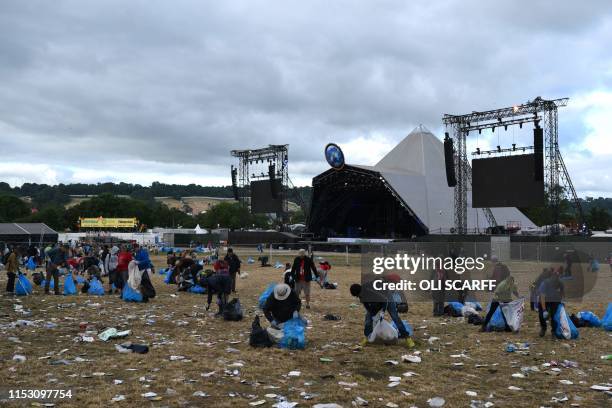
[219,362]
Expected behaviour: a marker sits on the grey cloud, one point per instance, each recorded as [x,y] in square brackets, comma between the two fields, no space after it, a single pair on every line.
[187,81]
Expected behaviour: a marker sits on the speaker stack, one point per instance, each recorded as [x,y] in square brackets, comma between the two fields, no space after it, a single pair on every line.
[538,149]
[234,183]
[449,159]
[272,175]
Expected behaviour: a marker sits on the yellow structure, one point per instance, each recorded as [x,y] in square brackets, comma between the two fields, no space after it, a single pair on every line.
[102,222]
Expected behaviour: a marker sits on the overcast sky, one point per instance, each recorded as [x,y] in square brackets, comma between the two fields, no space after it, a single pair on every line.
[138,91]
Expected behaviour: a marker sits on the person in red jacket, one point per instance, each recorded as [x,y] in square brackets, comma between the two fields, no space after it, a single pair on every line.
[123,260]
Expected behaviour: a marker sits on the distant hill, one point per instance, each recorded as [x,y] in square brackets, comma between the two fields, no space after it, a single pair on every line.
[198,198]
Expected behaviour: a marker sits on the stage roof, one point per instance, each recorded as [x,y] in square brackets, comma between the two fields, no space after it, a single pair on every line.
[415,169]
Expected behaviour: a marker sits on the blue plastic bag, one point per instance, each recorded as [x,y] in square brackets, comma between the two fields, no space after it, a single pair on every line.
[31,265]
[162,271]
[168,276]
[589,317]
[130,295]
[294,334]
[565,327]
[456,306]
[80,280]
[497,322]
[196,289]
[23,287]
[69,286]
[606,322]
[95,288]
[407,326]
[266,294]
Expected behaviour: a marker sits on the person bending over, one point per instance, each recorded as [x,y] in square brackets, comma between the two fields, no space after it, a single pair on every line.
[220,285]
[374,301]
[503,294]
[282,305]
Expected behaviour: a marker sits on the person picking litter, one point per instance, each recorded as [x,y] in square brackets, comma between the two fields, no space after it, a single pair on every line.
[220,285]
[283,305]
[551,294]
[503,294]
[375,301]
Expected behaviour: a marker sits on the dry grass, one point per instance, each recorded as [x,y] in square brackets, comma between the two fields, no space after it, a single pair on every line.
[204,341]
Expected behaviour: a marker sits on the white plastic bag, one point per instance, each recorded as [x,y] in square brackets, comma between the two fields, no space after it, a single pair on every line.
[383,331]
[513,312]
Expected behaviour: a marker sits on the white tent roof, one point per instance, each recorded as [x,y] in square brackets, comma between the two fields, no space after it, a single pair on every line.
[199,230]
[415,169]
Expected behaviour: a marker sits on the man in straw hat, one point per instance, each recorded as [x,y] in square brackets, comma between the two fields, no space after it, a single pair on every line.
[282,305]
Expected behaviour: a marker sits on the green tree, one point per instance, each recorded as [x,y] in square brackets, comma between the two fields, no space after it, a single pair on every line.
[230,215]
[53,216]
[599,219]
[12,208]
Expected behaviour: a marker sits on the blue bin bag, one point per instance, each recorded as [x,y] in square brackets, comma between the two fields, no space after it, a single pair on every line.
[95,288]
[590,317]
[497,322]
[130,295]
[294,337]
[69,286]
[266,293]
[23,287]
[565,327]
[606,322]
[407,326]
[196,289]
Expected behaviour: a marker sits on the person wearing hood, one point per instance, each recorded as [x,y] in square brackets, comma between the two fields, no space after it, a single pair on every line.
[111,261]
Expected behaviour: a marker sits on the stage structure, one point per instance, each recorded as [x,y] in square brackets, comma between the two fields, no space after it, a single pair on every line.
[544,115]
[264,172]
[404,195]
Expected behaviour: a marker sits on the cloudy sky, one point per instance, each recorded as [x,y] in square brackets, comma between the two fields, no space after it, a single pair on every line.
[140,91]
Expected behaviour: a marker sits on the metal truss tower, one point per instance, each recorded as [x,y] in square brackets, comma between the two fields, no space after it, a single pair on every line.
[557,182]
[277,155]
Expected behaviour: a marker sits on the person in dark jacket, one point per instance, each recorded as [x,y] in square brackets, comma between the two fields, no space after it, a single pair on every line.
[374,301]
[12,267]
[302,270]
[57,258]
[439,275]
[551,293]
[233,263]
[220,285]
[282,305]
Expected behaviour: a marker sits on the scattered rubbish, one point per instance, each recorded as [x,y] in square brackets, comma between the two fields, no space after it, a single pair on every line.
[513,388]
[20,358]
[566,382]
[129,347]
[294,373]
[411,358]
[257,403]
[392,362]
[326,359]
[436,402]
[327,406]
[149,395]
[112,333]
[200,394]
[347,384]
[391,405]
[471,393]
[117,382]
[601,387]
[176,358]
[118,398]
[331,317]
[285,404]
[360,402]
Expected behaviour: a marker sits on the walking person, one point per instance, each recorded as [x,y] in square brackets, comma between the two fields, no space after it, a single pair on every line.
[12,267]
[302,270]
[111,261]
[234,266]
[57,258]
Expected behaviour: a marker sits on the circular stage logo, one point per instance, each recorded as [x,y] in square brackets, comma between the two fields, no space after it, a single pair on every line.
[334,156]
